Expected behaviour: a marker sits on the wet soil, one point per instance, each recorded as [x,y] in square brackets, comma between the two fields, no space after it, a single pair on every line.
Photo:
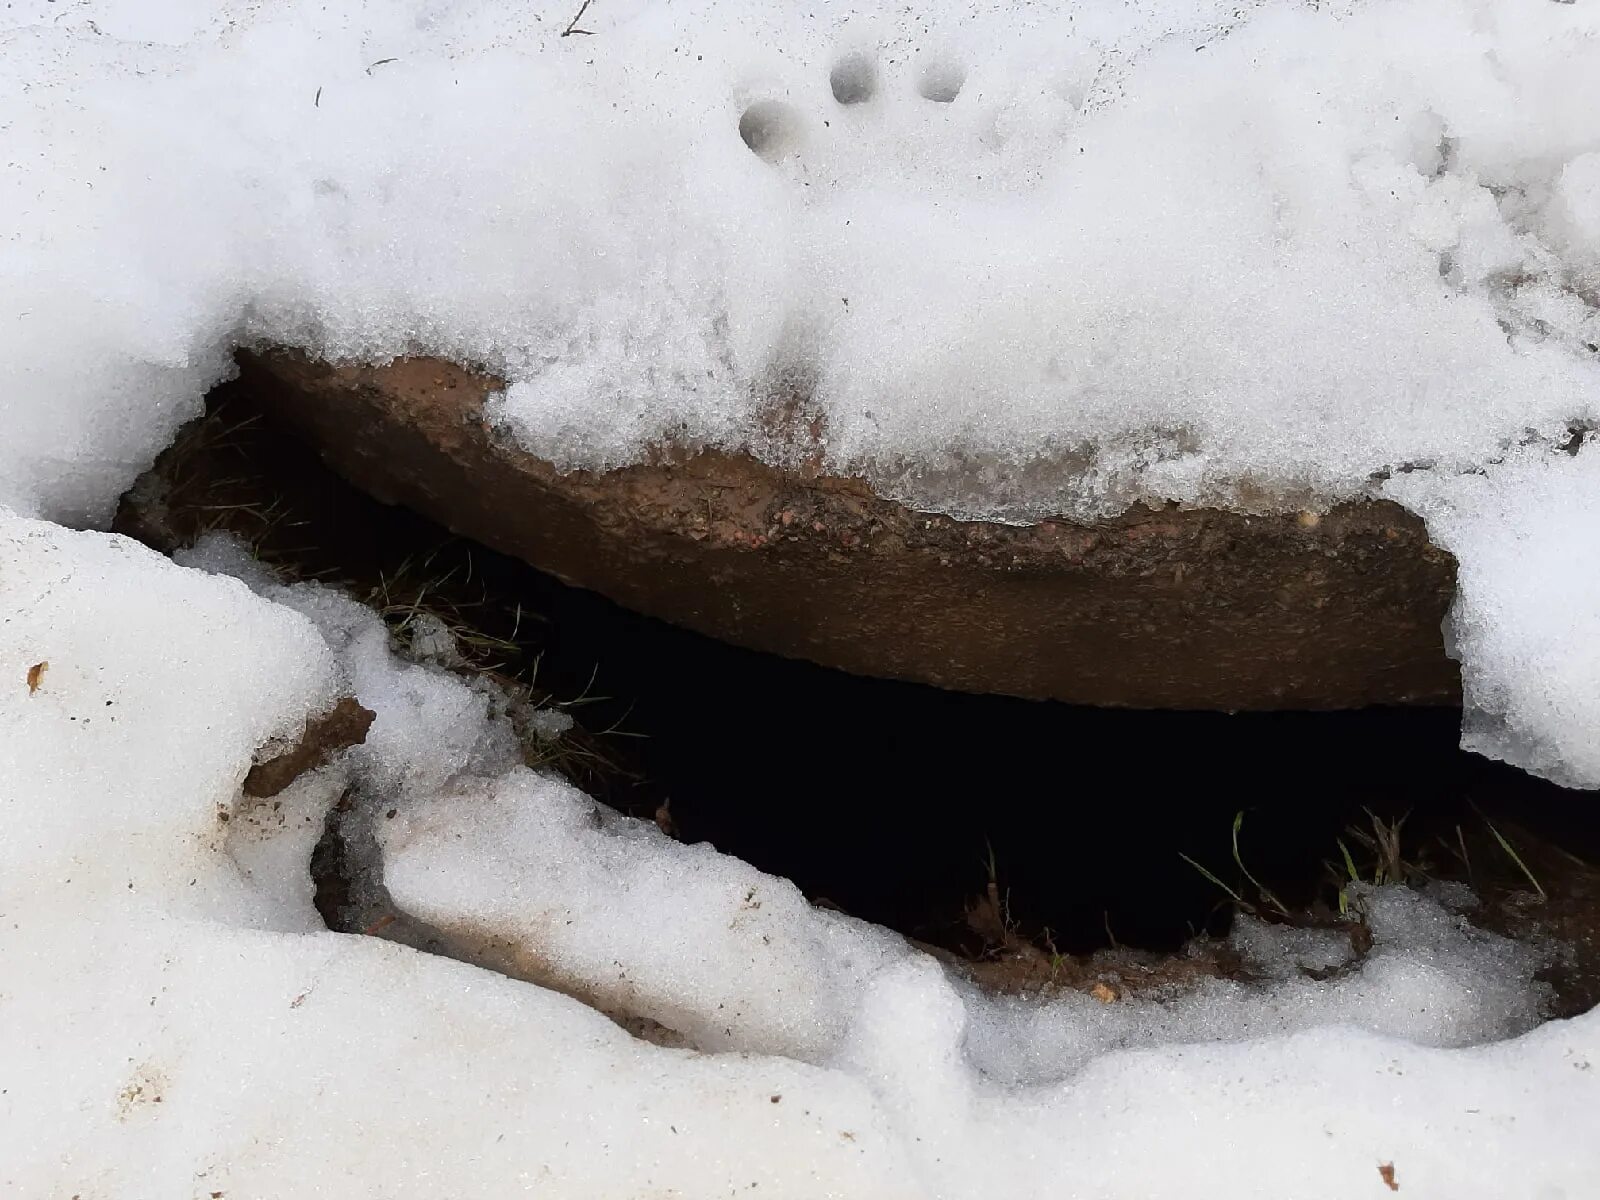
[1037,844]
[1158,607]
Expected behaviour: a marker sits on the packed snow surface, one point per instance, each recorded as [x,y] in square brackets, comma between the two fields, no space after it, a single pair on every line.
[1002,260]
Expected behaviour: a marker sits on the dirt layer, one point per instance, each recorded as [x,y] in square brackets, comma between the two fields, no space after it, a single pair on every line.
[1035,846]
[1156,609]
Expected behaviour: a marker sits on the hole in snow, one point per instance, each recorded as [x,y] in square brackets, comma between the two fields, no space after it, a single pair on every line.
[772,129]
[854,78]
[898,803]
[941,81]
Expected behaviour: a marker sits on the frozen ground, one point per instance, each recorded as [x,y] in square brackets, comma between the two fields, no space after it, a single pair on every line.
[1013,259]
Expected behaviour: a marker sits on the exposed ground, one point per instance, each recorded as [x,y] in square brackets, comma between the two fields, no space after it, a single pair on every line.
[1035,847]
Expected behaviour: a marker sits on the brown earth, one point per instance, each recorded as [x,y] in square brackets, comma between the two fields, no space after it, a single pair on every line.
[234,471]
[1158,608]
[342,726]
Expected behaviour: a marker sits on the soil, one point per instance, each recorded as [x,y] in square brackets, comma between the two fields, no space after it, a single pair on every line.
[1563,914]
[1159,608]
[342,726]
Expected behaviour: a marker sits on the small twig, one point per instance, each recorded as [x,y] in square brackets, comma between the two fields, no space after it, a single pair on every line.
[572,25]
[316,101]
[380,63]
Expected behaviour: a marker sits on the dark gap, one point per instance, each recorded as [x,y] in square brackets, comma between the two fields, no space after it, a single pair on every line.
[894,801]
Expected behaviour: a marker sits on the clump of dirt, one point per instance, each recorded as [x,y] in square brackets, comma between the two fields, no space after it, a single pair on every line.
[1526,888]
[1006,959]
[342,726]
[1556,900]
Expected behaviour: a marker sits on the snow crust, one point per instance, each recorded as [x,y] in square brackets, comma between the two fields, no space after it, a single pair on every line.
[176,1021]
[1201,251]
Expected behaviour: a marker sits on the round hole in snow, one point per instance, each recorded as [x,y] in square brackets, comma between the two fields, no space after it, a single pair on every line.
[941,81]
[854,78]
[771,129]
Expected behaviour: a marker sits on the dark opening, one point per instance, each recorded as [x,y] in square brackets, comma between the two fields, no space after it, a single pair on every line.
[895,802]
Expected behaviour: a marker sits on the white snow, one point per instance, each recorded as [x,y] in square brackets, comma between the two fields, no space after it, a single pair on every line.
[1527,609]
[174,1021]
[428,727]
[171,1021]
[1200,251]
[1018,259]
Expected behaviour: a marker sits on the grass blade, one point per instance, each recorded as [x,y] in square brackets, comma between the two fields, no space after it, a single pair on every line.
[1512,854]
[1212,878]
[1265,893]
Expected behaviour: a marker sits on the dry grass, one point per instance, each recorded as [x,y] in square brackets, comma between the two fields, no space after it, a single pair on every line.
[227,473]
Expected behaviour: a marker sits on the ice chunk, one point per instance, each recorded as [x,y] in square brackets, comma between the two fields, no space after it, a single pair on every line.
[1526,620]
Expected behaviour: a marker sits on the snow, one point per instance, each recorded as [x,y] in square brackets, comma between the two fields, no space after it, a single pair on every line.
[428,726]
[1192,251]
[1527,605]
[533,875]
[1009,260]
[176,1021]
[1014,259]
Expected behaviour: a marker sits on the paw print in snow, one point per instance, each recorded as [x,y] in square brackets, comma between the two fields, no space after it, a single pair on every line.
[907,122]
